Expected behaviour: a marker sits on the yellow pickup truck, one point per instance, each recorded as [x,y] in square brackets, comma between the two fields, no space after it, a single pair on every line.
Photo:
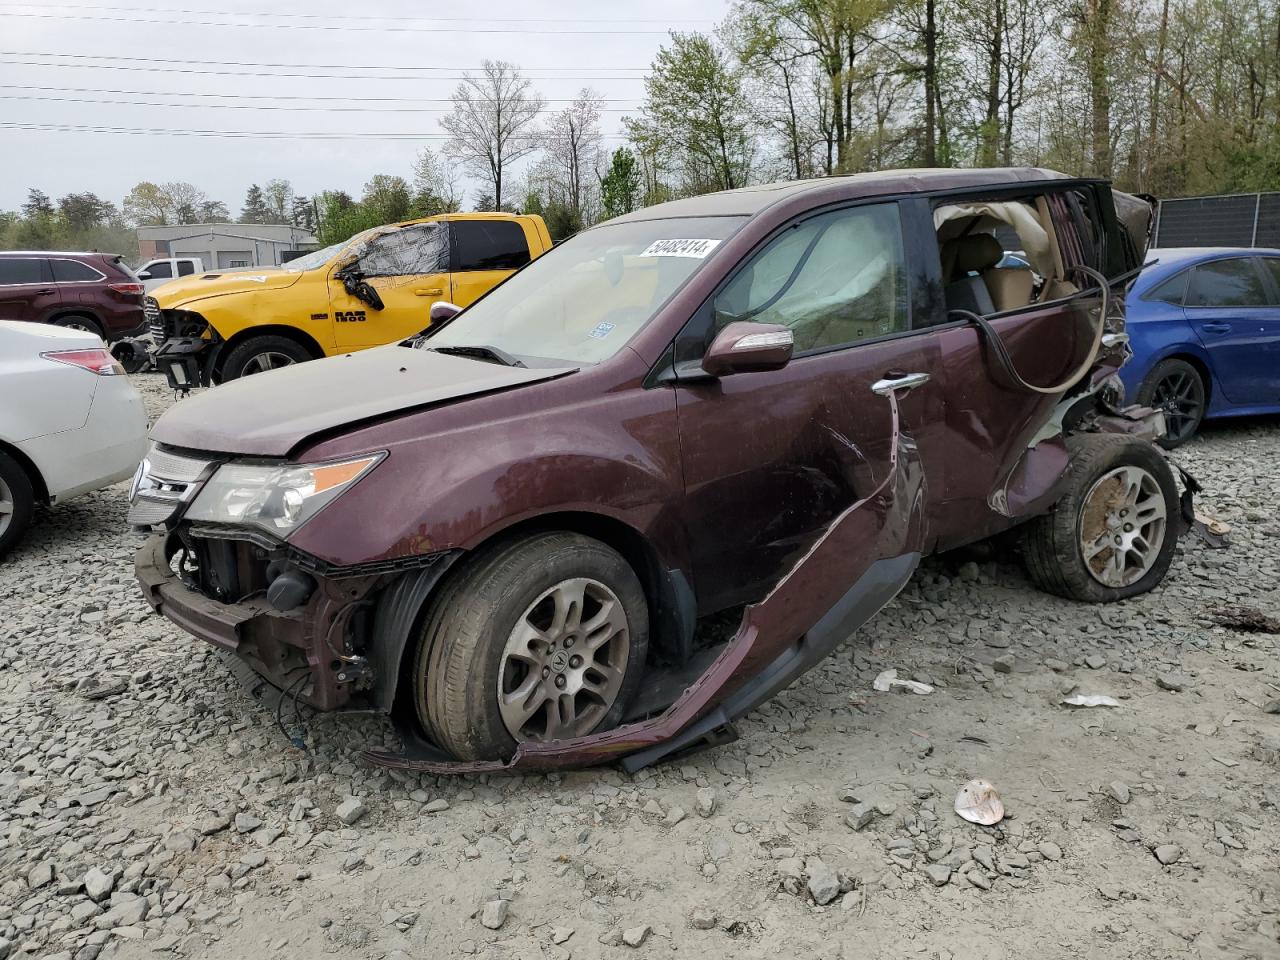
[376,288]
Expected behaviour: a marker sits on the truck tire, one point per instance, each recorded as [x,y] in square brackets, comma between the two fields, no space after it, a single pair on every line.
[17,503]
[544,638]
[1113,533]
[263,354]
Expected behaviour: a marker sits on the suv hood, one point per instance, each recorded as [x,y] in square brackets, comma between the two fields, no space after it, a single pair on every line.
[179,293]
[270,414]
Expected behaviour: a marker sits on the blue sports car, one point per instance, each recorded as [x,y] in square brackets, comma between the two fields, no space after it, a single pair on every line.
[1204,323]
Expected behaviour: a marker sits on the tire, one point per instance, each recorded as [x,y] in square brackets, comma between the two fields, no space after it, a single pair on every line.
[1102,472]
[461,666]
[260,354]
[1177,388]
[17,503]
[80,322]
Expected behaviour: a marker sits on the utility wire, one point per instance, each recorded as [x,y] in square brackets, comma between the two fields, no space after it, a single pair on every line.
[48,127]
[255,63]
[330,17]
[258,106]
[524,31]
[261,96]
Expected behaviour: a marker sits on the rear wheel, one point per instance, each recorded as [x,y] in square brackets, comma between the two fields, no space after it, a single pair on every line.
[1112,535]
[80,322]
[1176,388]
[17,501]
[263,354]
[543,639]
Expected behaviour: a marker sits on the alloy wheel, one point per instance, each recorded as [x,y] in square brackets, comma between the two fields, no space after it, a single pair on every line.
[1123,522]
[7,506]
[1180,396]
[564,662]
[267,360]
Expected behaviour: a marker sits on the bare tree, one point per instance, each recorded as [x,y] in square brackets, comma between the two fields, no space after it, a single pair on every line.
[572,140]
[490,126]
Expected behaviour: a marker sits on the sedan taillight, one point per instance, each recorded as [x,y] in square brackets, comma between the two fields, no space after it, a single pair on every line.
[129,289]
[94,360]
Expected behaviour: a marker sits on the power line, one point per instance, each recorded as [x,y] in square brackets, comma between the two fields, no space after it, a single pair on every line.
[338,28]
[331,17]
[291,66]
[257,106]
[48,127]
[261,96]
[277,76]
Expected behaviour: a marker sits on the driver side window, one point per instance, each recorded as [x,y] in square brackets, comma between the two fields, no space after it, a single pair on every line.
[408,252]
[834,279]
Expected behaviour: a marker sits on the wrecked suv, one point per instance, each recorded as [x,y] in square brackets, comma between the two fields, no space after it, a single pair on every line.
[771,401]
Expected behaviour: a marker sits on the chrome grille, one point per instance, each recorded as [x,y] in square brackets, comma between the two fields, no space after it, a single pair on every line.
[155,319]
[164,485]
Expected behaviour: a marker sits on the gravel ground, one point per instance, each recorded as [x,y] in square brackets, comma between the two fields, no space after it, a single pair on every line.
[148,805]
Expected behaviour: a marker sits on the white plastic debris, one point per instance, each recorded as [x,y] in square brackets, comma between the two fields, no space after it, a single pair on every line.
[978,802]
[889,679]
[1090,700]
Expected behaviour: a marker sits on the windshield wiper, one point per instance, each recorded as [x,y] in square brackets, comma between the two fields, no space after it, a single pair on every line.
[482,352]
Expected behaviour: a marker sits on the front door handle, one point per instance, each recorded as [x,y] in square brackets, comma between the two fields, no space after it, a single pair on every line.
[1216,326]
[895,381]
[428,291]
[46,292]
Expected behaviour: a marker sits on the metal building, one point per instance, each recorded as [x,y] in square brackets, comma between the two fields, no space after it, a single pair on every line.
[223,246]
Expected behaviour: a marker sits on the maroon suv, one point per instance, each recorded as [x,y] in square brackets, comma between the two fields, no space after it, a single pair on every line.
[96,292]
[773,400]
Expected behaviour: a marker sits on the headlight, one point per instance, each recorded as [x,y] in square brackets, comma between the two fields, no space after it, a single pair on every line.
[277,498]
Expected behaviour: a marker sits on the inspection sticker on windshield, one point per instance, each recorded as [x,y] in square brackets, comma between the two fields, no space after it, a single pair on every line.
[680,248]
[602,330]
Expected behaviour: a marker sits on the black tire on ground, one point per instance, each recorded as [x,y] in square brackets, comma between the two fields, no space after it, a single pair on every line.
[459,665]
[1177,388]
[80,322]
[257,354]
[17,502]
[1054,545]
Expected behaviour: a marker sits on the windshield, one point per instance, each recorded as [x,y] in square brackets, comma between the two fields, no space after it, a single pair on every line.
[588,296]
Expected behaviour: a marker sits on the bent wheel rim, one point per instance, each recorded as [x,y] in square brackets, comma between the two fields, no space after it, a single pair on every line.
[1122,526]
[267,360]
[564,662]
[1181,398]
[7,507]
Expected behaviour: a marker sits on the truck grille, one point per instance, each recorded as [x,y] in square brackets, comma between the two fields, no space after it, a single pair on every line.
[164,485]
[155,319]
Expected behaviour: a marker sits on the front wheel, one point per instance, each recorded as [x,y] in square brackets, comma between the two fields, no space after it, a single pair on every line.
[542,639]
[1113,533]
[261,355]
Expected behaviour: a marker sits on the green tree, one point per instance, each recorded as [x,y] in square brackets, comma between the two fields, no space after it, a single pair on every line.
[147,204]
[255,208]
[83,211]
[435,185]
[38,204]
[620,186]
[387,198]
[277,195]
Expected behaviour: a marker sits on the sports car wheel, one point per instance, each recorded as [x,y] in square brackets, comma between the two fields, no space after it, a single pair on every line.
[542,639]
[1176,388]
[1113,533]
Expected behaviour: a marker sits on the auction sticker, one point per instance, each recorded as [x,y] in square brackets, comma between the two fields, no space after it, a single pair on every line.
[602,330]
[680,248]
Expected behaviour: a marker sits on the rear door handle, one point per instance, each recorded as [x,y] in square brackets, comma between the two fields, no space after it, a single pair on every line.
[894,381]
[428,292]
[46,291]
[1216,326]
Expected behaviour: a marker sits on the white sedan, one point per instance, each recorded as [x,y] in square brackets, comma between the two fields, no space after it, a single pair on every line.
[70,421]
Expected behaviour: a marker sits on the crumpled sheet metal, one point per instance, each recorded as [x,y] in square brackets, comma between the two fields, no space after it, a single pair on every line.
[886,523]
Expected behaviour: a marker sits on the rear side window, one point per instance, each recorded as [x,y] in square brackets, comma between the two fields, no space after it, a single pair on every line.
[1227,283]
[73,271]
[1172,290]
[22,270]
[1273,264]
[489,245]
[186,268]
[159,270]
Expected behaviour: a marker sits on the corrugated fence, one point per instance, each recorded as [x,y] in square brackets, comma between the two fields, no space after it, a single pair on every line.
[1237,220]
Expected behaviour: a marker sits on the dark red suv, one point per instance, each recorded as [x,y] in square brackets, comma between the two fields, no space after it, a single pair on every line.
[773,401]
[96,292]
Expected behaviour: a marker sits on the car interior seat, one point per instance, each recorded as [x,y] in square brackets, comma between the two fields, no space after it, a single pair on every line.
[976,283]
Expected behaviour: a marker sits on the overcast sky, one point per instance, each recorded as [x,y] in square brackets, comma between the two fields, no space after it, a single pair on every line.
[160,57]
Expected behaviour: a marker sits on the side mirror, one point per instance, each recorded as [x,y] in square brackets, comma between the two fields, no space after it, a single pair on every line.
[443,310]
[743,346]
[144,275]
